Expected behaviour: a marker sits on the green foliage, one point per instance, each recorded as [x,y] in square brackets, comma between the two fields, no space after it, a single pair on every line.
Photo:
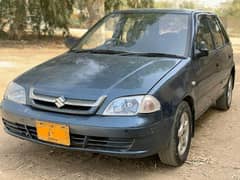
[140,3]
[229,8]
[41,16]
[234,10]
[47,15]
[90,13]
[164,4]
[13,15]
[187,5]
[111,5]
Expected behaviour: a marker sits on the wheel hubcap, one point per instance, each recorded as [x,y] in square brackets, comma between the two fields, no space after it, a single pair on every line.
[229,93]
[183,134]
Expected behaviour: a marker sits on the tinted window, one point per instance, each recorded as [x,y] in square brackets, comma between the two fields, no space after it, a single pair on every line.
[204,33]
[216,31]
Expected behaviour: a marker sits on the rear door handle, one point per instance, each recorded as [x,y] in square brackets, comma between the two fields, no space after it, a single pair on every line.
[218,68]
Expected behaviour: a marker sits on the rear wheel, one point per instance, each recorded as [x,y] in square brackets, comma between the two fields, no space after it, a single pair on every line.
[180,140]
[225,101]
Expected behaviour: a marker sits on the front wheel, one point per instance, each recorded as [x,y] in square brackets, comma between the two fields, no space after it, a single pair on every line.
[180,140]
[224,102]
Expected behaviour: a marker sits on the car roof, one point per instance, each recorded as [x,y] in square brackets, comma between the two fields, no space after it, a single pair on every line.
[154,10]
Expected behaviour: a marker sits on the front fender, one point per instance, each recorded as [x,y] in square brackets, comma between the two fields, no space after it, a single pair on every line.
[174,87]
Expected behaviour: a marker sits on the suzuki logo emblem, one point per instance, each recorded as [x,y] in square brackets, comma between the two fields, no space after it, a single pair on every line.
[60,102]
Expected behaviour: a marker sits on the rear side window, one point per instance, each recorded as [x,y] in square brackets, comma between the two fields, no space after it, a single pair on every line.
[204,34]
[216,32]
[224,33]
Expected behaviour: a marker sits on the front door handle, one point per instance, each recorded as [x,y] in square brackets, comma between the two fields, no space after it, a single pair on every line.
[218,67]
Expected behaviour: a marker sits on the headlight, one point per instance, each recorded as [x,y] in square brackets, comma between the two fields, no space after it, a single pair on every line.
[132,105]
[16,93]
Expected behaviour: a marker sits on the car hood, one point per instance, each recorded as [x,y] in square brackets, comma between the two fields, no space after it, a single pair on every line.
[89,76]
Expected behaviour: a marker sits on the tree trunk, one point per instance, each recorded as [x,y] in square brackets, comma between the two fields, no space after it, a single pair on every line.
[96,11]
[18,24]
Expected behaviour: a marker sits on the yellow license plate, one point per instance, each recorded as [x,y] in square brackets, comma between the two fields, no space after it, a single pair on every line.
[51,132]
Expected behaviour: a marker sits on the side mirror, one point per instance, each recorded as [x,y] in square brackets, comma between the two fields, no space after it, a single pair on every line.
[70,42]
[202,49]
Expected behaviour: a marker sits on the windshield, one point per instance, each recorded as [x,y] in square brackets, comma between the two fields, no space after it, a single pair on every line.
[142,33]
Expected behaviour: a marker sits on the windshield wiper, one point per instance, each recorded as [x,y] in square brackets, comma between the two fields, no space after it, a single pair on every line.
[100,51]
[153,55]
[125,53]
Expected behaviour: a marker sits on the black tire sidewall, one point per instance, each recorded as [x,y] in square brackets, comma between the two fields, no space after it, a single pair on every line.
[222,102]
[226,93]
[183,107]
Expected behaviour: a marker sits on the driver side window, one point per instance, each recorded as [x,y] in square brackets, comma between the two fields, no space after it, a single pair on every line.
[101,35]
[204,34]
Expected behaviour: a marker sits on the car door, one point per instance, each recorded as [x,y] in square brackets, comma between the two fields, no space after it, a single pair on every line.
[204,67]
[224,54]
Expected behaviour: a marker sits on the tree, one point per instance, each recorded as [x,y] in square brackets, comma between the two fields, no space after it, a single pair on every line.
[111,5]
[96,9]
[45,16]
[187,5]
[140,3]
[42,16]
[13,14]
[164,4]
[234,9]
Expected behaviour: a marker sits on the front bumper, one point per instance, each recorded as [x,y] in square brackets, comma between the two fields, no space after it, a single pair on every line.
[137,136]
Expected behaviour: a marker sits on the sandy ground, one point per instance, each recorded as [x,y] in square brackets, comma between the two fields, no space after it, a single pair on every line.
[214,152]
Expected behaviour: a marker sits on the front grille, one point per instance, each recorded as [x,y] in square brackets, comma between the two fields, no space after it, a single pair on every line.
[77,141]
[20,129]
[105,143]
[64,105]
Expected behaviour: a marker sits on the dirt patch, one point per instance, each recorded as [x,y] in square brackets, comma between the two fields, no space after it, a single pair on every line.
[214,152]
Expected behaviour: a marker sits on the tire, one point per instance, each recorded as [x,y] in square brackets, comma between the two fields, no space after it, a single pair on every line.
[174,155]
[224,102]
